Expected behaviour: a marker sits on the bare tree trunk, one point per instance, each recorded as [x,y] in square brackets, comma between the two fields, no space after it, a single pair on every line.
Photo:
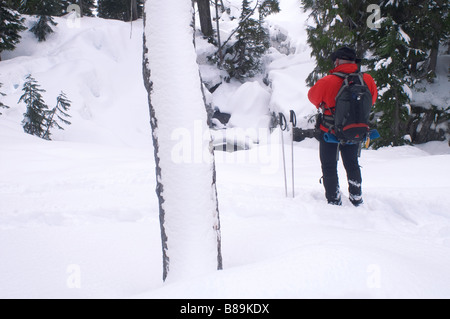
[219,41]
[134,10]
[80,3]
[396,120]
[205,17]
[433,57]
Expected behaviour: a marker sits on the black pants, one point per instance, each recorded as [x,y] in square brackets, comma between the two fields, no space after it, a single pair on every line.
[329,159]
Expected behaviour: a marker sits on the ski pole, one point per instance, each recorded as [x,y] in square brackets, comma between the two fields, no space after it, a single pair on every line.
[283,127]
[293,120]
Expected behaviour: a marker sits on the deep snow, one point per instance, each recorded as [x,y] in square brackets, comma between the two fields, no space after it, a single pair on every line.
[79,215]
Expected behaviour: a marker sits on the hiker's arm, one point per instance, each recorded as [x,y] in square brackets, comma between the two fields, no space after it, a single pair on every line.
[372,87]
[316,93]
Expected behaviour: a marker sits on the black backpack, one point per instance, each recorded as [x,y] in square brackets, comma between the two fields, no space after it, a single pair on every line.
[353,107]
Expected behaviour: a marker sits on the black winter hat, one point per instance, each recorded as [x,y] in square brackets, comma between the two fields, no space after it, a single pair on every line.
[345,53]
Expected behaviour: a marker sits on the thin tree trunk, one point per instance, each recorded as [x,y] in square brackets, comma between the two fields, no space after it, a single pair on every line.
[396,121]
[219,42]
[80,3]
[433,57]
[134,10]
[204,11]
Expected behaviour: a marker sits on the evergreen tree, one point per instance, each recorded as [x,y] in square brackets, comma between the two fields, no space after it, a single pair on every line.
[44,10]
[120,9]
[265,8]
[57,115]
[55,8]
[399,51]
[43,28]
[1,103]
[87,7]
[243,58]
[404,51]
[111,9]
[394,81]
[427,23]
[337,23]
[34,121]
[11,24]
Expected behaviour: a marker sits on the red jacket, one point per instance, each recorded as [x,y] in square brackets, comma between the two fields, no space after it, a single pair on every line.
[326,89]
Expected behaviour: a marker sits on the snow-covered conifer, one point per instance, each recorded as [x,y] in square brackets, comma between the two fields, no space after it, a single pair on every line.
[335,24]
[399,48]
[1,103]
[243,57]
[45,10]
[58,115]
[34,121]
[11,24]
[393,81]
[43,28]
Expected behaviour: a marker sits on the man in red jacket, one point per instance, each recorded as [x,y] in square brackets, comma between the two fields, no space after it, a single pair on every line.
[323,95]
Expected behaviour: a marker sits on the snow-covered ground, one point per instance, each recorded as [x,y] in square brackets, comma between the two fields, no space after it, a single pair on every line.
[79,215]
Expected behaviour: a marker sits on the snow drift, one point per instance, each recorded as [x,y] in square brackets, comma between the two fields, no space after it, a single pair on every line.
[79,218]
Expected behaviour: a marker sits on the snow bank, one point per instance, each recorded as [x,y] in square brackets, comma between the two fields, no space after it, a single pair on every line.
[88,61]
[249,106]
[79,218]
[251,102]
[437,93]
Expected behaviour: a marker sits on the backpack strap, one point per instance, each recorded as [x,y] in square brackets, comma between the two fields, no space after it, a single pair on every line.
[344,84]
[345,76]
[341,74]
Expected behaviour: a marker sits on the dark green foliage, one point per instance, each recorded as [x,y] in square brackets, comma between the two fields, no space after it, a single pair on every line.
[38,119]
[425,118]
[337,23]
[404,51]
[58,115]
[112,9]
[1,103]
[398,52]
[43,7]
[45,10]
[34,121]
[11,24]
[267,7]
[120,9]
[427,23]
[87,7]
[243,57]
[42,27]
[393,77]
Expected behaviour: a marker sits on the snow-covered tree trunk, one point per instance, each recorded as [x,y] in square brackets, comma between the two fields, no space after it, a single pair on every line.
[185,169]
